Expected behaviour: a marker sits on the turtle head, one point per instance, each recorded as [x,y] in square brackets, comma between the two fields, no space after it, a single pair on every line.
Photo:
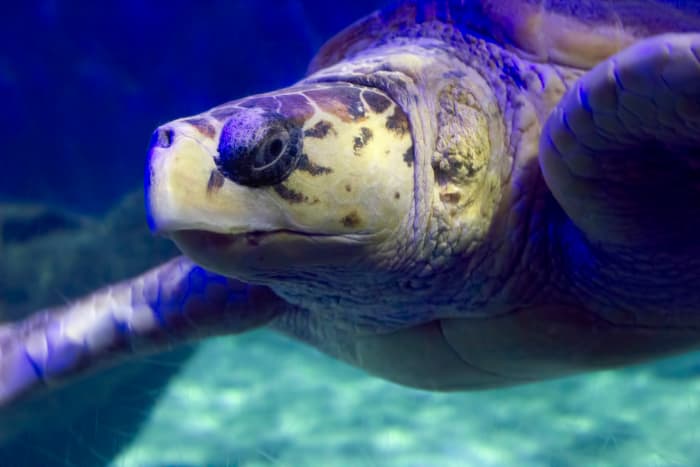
[305,176]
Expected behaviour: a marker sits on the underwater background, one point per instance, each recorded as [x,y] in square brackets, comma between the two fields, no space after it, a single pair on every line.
[82,86]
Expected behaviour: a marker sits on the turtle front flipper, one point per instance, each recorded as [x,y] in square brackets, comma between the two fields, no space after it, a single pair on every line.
[176,302]
[621,152]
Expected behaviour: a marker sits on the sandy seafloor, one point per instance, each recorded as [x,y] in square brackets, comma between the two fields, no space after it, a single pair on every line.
[261,399]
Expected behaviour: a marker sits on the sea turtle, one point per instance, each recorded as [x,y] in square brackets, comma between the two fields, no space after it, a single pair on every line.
[460,194]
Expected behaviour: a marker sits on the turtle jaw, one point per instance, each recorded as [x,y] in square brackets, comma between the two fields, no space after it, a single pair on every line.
[252,256]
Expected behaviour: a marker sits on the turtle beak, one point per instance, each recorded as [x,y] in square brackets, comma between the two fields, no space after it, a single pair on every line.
[186,191]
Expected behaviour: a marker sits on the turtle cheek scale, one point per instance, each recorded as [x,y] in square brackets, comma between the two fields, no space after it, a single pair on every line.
[353,177]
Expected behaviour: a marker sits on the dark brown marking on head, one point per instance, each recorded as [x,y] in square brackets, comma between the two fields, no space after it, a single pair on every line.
[397,122]
[351,220]
[320,130]
[203,126]
[397,195]
[306,165]
[216,181]
[348,188]
[268,103]
[290,195]
[342,101]
[376,101]
[357,145]
[296,107]
[408,156]
[223,112]
[452,198]
[362,140]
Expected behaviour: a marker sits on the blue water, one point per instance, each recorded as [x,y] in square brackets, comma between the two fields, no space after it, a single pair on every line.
[82,86]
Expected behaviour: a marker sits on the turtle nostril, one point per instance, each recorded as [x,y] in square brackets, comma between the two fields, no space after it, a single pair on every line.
[163,138]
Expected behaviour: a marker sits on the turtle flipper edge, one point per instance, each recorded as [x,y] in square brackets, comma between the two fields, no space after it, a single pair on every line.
[621,152]
[171,304]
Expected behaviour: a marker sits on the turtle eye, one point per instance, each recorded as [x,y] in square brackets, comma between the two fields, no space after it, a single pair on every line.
[264,158]
[271,151]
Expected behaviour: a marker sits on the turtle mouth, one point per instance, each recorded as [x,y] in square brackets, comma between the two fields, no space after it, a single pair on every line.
[247,255]
[204,238]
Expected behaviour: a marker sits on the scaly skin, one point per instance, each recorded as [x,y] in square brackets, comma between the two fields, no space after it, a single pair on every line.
[167,305]
[629,131]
